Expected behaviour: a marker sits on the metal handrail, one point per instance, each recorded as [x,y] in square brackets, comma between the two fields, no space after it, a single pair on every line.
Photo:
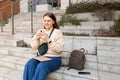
[1,16]
[12,15]
[31,5]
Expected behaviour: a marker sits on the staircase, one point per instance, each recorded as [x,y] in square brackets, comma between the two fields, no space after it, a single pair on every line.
[103,58]
[22,22]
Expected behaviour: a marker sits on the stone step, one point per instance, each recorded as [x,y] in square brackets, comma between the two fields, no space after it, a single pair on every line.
[5,42]
[108,41]
[61,74]
[74,42]
[103,24]
[91,25]
[16,55]
[39,13]
[86,27]
[23,27]
[91,43]
[109,51]
[4,35]
[23,20]
[10,74]
[7,38]
[17,51]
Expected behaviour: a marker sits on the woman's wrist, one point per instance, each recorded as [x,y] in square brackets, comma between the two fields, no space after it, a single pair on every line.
[36,37]
[49,41]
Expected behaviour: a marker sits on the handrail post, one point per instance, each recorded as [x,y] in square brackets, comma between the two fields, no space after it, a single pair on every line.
[1,21]
[31,6]
[12,16]
[31,19]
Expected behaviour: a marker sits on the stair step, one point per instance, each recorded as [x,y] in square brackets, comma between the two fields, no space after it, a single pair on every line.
[61,74]
[13,62]
[16,57]
[7,42]
[108,51]
[108,41]
[18,51]
[4,35]
[9,74]
[104,24]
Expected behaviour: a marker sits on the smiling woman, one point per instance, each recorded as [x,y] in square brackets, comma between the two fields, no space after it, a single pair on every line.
[40,66]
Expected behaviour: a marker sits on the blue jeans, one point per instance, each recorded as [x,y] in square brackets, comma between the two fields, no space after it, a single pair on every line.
[36,70]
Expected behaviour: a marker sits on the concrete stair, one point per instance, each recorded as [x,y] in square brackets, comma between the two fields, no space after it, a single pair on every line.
[22,23]
[13,59]
[91,27]
[102,61]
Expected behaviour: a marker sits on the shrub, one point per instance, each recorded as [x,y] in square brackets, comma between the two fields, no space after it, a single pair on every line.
[92,6]
[75,34]
[103,10]
[116,26]
[106,33]
[70,19]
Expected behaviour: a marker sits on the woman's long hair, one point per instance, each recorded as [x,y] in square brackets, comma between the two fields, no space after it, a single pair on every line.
[52,16]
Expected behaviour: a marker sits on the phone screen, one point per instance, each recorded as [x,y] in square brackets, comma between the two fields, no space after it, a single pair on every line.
[84,73]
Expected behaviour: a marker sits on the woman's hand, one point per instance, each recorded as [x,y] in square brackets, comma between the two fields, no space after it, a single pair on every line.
[44,36]
[38,34]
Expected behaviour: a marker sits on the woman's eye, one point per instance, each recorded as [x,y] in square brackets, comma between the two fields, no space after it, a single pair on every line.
[47,20]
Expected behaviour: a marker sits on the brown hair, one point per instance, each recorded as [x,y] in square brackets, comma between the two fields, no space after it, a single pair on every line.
[52,16]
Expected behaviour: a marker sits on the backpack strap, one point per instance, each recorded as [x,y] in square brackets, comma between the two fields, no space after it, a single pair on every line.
[83,50]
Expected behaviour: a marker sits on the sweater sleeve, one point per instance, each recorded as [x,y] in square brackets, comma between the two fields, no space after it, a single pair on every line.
[58,43]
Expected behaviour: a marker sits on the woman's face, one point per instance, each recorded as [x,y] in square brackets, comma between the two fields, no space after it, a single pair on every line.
[48,22]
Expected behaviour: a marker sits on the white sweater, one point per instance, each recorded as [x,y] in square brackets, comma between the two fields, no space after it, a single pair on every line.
[55,47]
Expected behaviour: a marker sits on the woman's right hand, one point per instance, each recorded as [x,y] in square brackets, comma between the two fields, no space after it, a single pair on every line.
[38,34]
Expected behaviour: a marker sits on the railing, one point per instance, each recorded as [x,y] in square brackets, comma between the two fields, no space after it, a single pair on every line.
[12,15]
[31,7]
[34,3]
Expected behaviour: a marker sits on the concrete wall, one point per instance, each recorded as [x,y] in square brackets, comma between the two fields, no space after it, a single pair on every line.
[94,45]
[76,42]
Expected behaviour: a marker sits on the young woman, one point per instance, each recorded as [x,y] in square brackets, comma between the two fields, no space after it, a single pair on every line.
[39,67]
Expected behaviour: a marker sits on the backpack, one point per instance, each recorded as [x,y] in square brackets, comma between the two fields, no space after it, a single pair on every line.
[77,59]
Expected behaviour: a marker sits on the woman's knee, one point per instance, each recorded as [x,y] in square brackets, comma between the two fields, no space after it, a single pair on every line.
[41,65]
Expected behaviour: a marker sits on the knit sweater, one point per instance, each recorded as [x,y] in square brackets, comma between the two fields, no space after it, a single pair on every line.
[55,47]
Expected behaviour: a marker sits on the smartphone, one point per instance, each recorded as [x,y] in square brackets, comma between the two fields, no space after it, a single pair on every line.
[86,73]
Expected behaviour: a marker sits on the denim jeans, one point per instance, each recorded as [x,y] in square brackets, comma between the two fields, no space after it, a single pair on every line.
[36,70]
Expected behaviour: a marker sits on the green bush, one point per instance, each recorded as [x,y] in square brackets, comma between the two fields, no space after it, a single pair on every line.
[116,26]
[92,6]
[70,19]
[114,30]
[74,34]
